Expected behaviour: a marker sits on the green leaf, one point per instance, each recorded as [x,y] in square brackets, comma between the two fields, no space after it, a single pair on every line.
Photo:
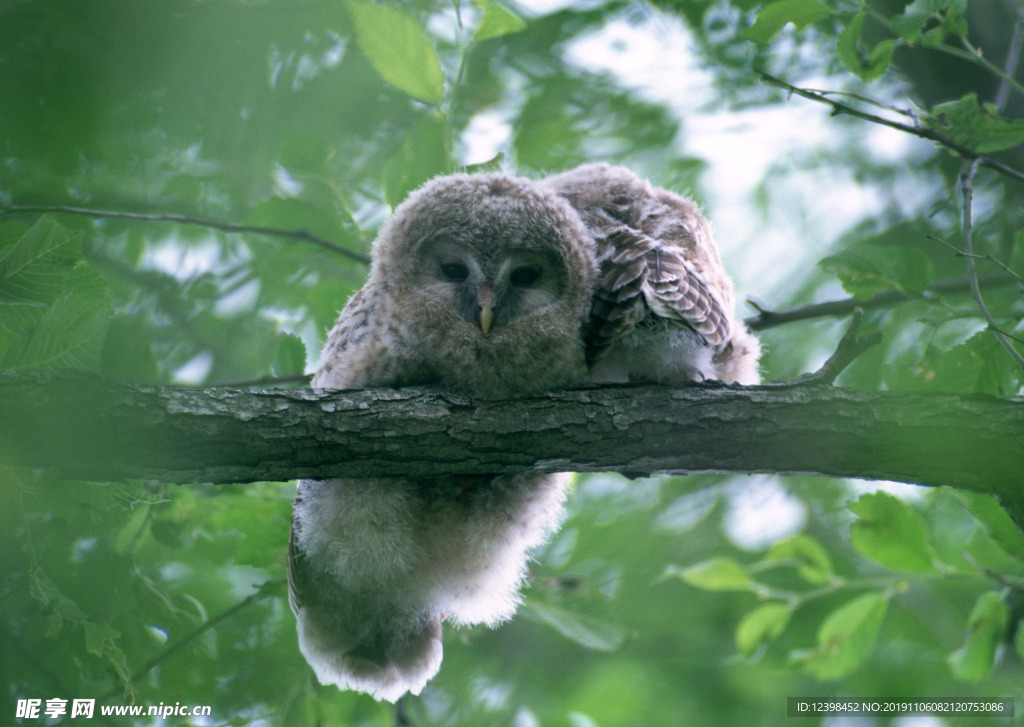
[97,636]
[868,65]
[975,365]
[812,561]
[423,156]
[33,269]
[890,532]
[990,514]
[129,532]
[494,164]
[973,661]
[586,631]
[290,359]
[497,21]
[774,17]
[547,134]
[716,574]
[70,332]
[760,625]
[919,17]
[52,304]
[867,269]
[117,660]
[846,637]
[977,127]
[1018,640]
[398,50]
[60,606]
[950,527]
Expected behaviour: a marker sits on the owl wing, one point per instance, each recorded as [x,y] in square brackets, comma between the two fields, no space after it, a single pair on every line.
[640,276]
[364,347]
[298,571]
[657,263]
[355,355]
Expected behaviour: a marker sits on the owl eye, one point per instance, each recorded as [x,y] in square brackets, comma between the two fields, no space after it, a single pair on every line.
[524,276]
[455,272]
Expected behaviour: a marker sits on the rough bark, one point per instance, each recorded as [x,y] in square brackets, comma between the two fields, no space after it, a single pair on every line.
[85,427]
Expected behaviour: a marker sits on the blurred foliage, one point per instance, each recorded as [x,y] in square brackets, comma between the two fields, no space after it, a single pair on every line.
[661,601]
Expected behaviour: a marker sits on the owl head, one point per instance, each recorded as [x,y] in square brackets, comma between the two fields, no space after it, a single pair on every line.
[489,270]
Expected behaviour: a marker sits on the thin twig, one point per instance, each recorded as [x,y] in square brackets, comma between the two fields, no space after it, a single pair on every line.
[1010,68]
[264,591]
[303,235]
[265,382]
[850,347]
[1012,337]
[988,257]
[868,100]
[967,186]
[769,318]
[967,175]
[921,132]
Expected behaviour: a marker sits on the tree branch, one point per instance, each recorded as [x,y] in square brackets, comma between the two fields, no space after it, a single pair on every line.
[268,588]
[850,347]
[1010,66]
[769,318]
[987,257]
[921,132]
[967,185]
[82,426]
[303,235]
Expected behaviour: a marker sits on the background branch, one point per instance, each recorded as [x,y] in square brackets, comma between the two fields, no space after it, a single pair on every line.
[1010,67]
[267,589]
[769,318]
[303,235]
[922,132]
[850,347]
[967,183]
[988,257]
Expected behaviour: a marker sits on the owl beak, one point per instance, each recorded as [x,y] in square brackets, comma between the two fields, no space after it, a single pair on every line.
[485,299]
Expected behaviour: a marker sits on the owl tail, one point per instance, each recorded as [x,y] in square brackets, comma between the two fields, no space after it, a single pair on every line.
[385,667]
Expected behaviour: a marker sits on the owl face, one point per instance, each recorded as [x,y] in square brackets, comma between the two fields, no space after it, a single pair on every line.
[489,250]
[491,279]
[488,288]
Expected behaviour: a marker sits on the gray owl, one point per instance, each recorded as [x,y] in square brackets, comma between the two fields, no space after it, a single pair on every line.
[480,284]
[495,286]
[663,304]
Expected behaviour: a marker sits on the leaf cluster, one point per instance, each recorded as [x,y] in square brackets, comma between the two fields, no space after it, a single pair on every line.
[954,535]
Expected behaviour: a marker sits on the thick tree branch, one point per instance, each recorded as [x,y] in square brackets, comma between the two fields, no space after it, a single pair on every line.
[85,427]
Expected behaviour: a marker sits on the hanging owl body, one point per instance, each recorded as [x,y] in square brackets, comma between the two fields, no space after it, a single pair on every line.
[479,284]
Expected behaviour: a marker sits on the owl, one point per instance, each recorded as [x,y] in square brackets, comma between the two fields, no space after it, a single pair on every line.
[480,284]
[498,287]
[663,304]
